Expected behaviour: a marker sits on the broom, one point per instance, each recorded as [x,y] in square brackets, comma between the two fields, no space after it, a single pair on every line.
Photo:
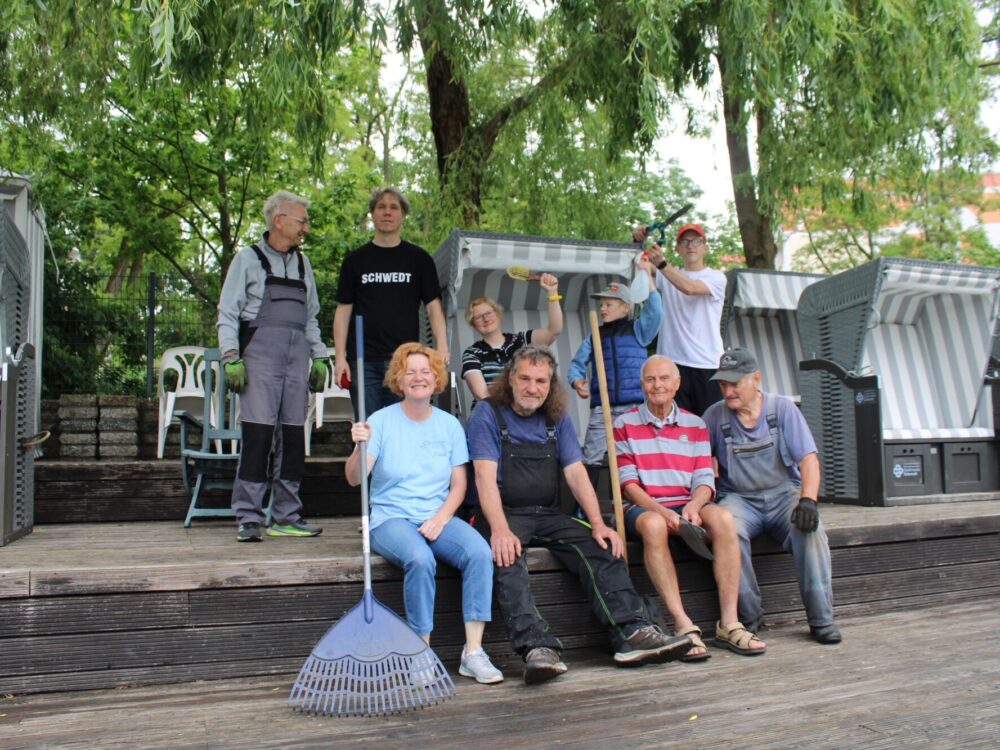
[370,662]
[522,273]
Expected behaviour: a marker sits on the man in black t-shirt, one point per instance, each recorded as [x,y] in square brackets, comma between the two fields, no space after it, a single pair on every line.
[385,281]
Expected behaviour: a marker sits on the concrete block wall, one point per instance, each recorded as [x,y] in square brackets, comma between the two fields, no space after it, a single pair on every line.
[89,427]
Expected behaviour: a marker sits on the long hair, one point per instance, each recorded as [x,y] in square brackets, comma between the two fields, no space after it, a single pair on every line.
[397,367]
[502,392]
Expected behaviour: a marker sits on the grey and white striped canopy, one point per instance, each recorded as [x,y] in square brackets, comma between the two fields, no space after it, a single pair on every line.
[760,315]
[473,264]
[926,329]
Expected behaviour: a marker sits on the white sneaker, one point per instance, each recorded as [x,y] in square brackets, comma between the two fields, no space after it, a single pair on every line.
[477,664]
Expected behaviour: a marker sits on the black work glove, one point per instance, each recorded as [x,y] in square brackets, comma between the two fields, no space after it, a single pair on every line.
[805,516]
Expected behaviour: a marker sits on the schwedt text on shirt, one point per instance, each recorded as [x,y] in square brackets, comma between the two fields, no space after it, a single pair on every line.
[396,277]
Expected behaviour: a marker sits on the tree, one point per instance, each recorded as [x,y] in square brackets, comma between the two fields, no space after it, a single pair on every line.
[152,133]
[831,91]
[579,53]
[175,138]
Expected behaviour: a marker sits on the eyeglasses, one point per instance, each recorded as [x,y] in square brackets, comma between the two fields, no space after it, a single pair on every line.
[302,222]
[691,242]
[483,317]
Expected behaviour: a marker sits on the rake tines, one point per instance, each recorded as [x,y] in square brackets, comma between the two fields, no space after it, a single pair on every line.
[353,687]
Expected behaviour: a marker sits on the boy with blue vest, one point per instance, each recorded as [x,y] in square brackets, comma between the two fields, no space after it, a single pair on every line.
[623,343]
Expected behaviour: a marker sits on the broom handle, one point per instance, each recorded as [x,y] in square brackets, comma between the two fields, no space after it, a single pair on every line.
[602,382]
[359,376]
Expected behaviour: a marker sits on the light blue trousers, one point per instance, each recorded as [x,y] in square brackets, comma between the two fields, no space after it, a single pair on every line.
[810,552]
[459,545]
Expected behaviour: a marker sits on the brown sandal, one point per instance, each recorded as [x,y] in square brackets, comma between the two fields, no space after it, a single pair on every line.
[694,633]
[737,639]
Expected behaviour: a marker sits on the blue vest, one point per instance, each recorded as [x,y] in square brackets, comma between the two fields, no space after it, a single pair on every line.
[623,358]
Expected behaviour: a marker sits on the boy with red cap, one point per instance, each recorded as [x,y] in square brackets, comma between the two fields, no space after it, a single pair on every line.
[692,313]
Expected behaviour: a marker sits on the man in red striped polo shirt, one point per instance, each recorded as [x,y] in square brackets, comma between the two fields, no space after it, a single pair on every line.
[668,482]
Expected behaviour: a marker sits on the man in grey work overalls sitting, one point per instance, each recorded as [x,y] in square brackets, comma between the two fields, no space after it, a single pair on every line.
[769,479]
[272,353]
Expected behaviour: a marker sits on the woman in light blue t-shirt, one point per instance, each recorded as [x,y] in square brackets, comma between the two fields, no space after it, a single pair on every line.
[416,457]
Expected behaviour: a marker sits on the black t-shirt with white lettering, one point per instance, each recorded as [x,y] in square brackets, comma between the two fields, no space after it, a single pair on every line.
[386,285]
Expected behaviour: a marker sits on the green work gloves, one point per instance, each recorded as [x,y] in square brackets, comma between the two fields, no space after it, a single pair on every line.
[236,375]
[317,375]
[805,516]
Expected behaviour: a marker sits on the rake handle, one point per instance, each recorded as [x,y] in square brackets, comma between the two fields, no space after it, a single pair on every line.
[366,546]
[602,383]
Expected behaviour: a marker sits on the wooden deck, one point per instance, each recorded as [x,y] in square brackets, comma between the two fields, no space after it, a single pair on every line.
[114,604]
[919,678]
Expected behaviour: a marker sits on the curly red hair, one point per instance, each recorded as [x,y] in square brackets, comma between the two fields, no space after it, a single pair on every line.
[398,365]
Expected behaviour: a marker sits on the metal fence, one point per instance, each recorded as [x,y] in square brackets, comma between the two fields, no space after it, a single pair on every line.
[112,333]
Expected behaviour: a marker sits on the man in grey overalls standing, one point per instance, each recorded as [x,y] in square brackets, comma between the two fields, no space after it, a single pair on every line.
[272,353]
[768,479]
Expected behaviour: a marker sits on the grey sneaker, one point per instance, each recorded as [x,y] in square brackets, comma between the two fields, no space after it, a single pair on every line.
[248,532]
[477,664]
[650,645]
[295,528]
[542,664]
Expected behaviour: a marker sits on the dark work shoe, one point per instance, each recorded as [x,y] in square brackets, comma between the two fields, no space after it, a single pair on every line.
[826,634]
[542,664]
[295,528]
[650,645]
[248,532]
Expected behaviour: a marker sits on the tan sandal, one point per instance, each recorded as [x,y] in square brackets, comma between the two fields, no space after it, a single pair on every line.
[694,633]
[737,639]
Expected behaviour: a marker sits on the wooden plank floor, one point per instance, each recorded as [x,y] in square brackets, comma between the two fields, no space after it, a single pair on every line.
[127,604]
[924,678]
[60,559]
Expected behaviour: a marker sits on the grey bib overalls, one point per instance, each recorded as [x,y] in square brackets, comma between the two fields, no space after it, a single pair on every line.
[277,357]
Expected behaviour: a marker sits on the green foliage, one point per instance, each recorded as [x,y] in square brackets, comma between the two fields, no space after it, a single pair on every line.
[908,210]
[176,120]
[853,89]
[100,347]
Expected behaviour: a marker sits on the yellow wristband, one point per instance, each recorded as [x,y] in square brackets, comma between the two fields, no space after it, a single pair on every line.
[555,297]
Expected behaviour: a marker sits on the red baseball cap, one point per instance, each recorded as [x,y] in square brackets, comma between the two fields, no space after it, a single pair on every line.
[696,228]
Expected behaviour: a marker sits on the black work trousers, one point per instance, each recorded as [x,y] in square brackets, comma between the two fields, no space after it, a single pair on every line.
[604,578]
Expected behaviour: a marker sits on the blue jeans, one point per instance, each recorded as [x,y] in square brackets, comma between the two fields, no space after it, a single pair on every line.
[810,552]
[458,545]
[376,394]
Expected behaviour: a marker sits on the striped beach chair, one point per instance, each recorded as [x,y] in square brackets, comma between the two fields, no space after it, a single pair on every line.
[473,264]
[760,315]
[896,393]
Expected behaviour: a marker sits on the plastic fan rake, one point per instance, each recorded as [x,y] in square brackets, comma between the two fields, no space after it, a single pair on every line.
[370,662]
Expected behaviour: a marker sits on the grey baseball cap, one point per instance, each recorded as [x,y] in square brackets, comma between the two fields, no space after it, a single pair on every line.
[734,364]
[615,291]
